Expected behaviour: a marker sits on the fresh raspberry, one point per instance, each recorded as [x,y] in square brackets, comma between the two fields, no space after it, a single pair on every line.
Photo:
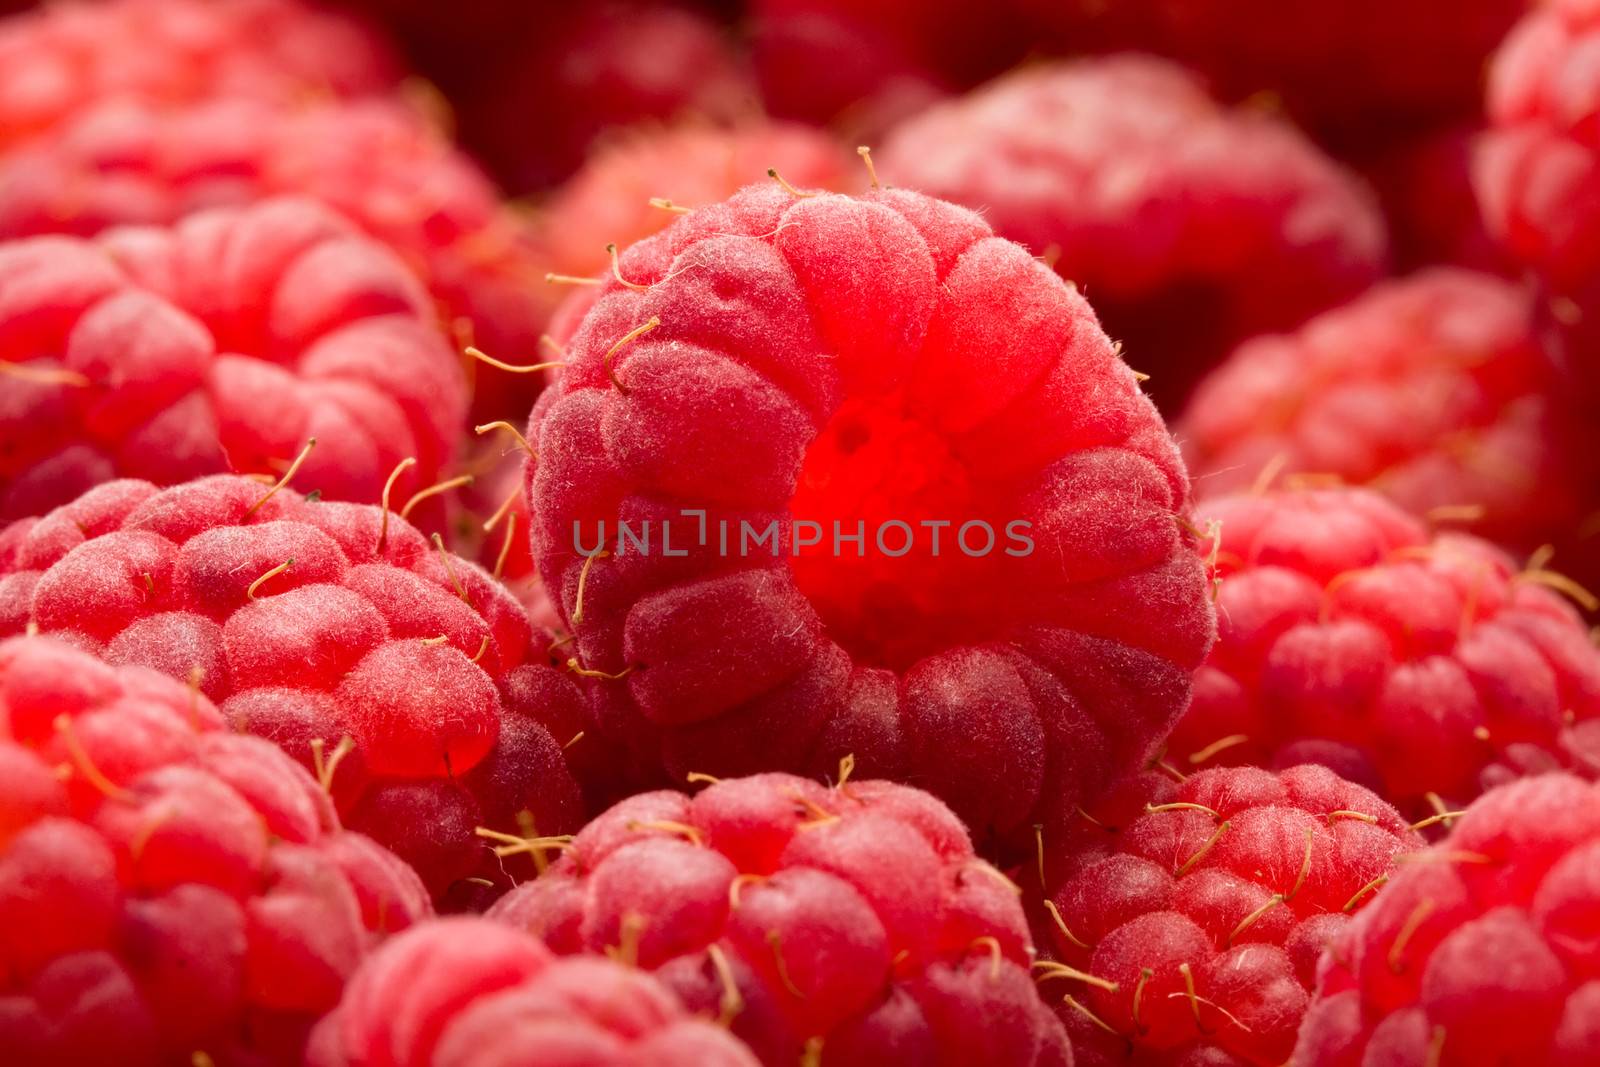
[66,56]
[617,197]
[1187,919]
[309,622]
[856,363]
[1434,390]
[1412,665]
[466,992]
[1189,226]
[586,69]
[168,890]
[220,344]
[1425,185]
[854,922]
[1355,70]
[1484,954]
[373,161]
[1538,171]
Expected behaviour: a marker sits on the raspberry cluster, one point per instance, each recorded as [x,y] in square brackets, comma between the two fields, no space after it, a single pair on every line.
[880,367]
[1412,664]
[398,672]
[219,344]
[1484,953]
[1186,919]
[852,923]
[168,890]
[1188,225]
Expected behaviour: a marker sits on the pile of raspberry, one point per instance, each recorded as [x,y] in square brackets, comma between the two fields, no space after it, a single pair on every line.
[1434,390]
[1189,226]
[63,57]
[220,344]
[876,366]
[470,993]
[169,892]
[847,925]
[375,161]
[405,677]
[1186,918]
[1483,952]
[1428,668]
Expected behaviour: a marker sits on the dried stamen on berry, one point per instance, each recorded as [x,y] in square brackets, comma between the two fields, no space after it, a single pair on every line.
[501,424]
[513,845]
[250,593]
[731,1003]
[689,833]
[1251,919]
[1408,930]
[43,375]
[505,547]
[1061,924]
[450,570]
[616,271]
[775,942]
[736,887]
[514,368]
[667,205]
[80,759]
[1182,806]
[1371,887]
[326,768]
[434,490]
[1305,864]
[1145,974]
[992,944]
[631,335]
[1049,969]
[583,583]
[865,152]
[288,476]
[576,667]
[569,279]
[1073,1003]
[772,172]
[1210,843]
[1221,745]
[383,503]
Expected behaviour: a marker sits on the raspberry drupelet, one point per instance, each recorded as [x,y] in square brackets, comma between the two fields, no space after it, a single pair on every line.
[1187,225]
[849,925]
[1434,390]
[1481,954]
[169,892]
[467,992]
[777,373]
[220,344]
[62,58]
[1186,918]
[1427,668]
[375,161]
[398,672]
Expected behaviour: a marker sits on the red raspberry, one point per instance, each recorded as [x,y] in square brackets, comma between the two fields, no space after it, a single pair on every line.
[1538,171]
[167,889]
[1483,955]
[63,57]
[373,161]
[1188,226]
[466,992]
[1425,184]
[584,69]
[865,362]
[1434,390]
[1187,919]
[616,197]
[309,622]
[220,344]
[854,921]
[1410,665]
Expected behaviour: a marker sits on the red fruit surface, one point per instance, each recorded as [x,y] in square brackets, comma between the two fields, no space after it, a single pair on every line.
[585,69]
[1434,390]
[1425,184]
[1188,918]
[467,992]
[1410,664]
[1537,172]
[852,921]
[307,623]
[1483,954]
[374,161]
[63,57]
[167,889]
[854,362]
[219,344]
[1188,226]
[608,201]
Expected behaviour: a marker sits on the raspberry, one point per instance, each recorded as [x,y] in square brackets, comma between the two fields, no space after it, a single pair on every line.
[1537,172]
[854,363]
[222,343]
[167,889]
[1434,390]
[615,198]
[1425,184]
[63,57]
[581,72]
[1484,954]
[1188,226]
[1410,665]
[1187,919]
[373,161]
[491,996]
[853,921]
[309,622]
